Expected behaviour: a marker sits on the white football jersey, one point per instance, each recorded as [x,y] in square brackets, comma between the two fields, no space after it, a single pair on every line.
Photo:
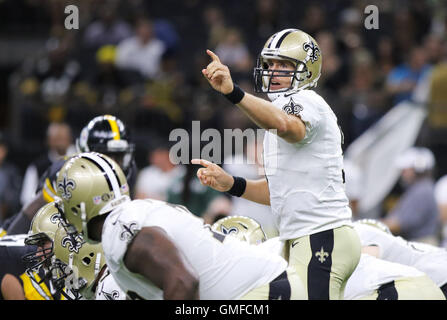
[307,192]
[108,289]
[226,267]
[427,258]
[371,273]
[274,245]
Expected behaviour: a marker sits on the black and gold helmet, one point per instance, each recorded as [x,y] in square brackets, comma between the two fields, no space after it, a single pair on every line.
[41,234]
[108,135]
[243,228]
[90,184]
[77,264]
[294,46]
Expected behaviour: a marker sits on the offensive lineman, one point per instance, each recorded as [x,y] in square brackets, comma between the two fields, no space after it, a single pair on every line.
[384,245]
[303,162]
[106,134]
[372,279]
[158,250]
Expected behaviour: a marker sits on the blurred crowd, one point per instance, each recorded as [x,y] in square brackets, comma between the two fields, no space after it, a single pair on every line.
[141,61]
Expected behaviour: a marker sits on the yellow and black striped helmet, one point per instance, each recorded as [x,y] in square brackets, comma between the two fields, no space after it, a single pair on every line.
[108,135]
[294,46]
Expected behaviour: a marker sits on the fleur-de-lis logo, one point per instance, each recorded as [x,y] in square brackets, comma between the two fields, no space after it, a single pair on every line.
[112,295]
[71,244]
[293,108]
[128,231]
[65,187]
[321,255]
[229,230]
[55,218]
[313,52]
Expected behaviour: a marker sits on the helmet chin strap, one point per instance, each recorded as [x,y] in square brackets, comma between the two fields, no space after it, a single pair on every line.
[84,220]
[97,263]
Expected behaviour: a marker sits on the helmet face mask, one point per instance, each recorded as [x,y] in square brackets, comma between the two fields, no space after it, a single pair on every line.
[77,263]
[263,75]
[43,228]
[297,47]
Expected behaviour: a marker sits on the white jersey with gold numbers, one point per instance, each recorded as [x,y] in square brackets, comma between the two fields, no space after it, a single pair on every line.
[307,191]
[427,258]
[226,267]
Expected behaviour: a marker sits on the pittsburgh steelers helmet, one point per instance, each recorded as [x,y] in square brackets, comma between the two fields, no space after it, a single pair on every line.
[375,223]
[294,46]
[42,231]
[243,228]
[90,184]
[77,264]
[108,135]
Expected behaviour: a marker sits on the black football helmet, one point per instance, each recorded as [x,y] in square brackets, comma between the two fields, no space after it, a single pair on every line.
[108,135]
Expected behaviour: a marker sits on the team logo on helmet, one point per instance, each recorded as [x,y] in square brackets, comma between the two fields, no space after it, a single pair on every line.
[71,244]
[229,230]
[55,218]
[293,108]
[313,52]
[65,187]
[128,231]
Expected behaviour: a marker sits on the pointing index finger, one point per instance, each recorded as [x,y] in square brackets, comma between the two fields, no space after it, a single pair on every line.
[202,162]
[213,55]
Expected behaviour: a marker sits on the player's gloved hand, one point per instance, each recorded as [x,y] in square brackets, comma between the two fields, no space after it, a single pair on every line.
[213,176]
[218,74]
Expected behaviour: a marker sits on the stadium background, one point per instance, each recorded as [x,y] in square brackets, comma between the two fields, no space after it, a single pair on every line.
[50,74]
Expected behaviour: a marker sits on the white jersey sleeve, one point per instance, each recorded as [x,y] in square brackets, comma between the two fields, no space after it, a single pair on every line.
[226,267]
[427,258]
[371,273]
[303,106]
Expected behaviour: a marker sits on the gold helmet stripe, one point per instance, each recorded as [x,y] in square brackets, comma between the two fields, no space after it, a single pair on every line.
[105,167]
[113,126]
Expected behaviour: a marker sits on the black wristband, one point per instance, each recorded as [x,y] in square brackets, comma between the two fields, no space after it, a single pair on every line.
[236,95]
[238,187]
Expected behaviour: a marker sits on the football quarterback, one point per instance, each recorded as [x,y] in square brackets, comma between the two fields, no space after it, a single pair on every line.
[303,161]
[158,250]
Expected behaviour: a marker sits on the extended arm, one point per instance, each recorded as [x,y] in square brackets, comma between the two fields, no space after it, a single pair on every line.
[262,112]
[153,255]
[257,191]
[217,178]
